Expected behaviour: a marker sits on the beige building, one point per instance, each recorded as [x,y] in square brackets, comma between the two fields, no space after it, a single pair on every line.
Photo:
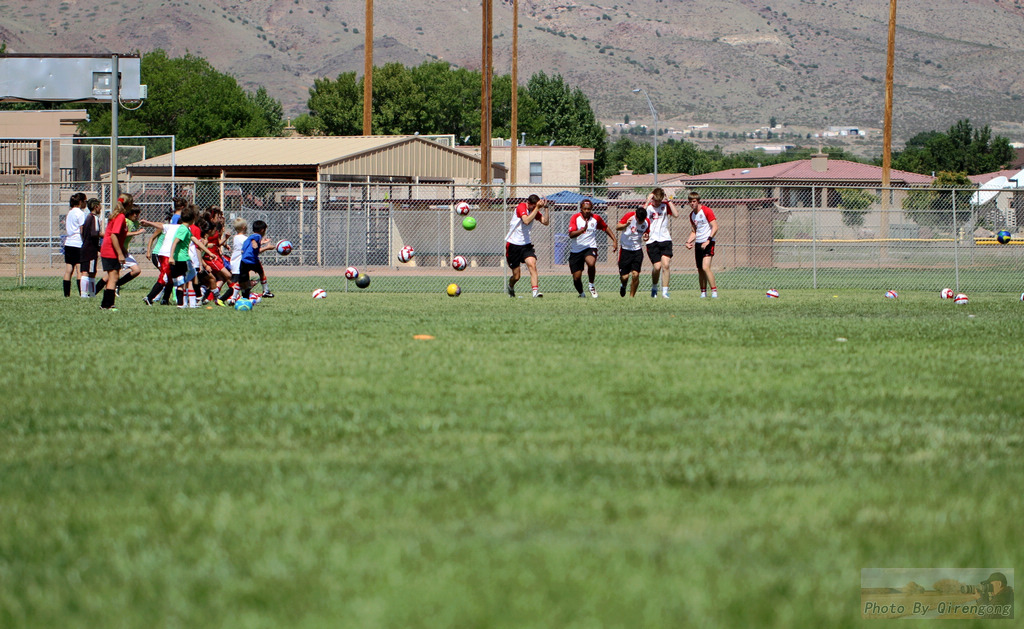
[542,165]
[392,159]
[31,146]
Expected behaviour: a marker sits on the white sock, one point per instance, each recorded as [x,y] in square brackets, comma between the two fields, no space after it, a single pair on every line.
[83,286]
[265,288]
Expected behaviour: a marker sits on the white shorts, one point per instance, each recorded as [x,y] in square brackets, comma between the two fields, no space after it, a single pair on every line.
[129,261]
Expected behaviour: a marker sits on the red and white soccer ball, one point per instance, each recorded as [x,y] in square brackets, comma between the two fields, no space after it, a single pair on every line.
[319,294]
[771,293]
[960,299]
[891,294]
[284,248]
[351,273]
[459,263]
[406,254]
[946,293]
[462,209]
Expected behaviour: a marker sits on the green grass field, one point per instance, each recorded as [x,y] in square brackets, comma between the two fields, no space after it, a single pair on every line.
[540,463]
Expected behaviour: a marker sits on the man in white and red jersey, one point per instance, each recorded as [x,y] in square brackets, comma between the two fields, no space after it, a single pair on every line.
[583,228]
[633,227]
[519,247]
[659,244]
[703,229]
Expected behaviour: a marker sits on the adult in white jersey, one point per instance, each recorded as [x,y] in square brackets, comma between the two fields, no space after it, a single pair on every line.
[519,247]
[583,228]
[633,227]
[73,241]
[659,244]
[703,226]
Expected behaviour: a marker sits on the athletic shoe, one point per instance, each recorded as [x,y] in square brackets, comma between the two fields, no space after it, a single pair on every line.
[111,309]
[622,290]
[593,292]
[268,295]
[664,294]
[511,291]
[539,294]
[581,296]
[703,295]
[654,291]
[220,302]
[146,301]
[714,294]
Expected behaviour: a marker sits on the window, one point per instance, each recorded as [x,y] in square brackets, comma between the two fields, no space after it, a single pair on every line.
[536,173]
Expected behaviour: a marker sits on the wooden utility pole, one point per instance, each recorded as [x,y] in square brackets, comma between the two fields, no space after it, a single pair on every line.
[887,132]
[368,71]
[487,73]
[513,161]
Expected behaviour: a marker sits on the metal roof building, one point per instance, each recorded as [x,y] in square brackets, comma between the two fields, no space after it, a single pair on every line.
[376,159]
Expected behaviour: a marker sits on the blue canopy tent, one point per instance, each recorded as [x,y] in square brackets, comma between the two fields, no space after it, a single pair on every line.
[566,197]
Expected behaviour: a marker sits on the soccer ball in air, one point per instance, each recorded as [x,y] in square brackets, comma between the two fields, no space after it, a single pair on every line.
[469,223]
[1003,237]
[462,208]
[244,305]
[362,280]
[284,248]
[319,294]
[891,294]
[351,273]
[459,263]
[406,254]
[771,293]
[946,293]
[454,290]
[960,299]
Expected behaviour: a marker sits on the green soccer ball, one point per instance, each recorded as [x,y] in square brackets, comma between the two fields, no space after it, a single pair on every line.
[469,223]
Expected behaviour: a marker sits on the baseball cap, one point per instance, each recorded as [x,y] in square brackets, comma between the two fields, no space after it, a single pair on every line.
[996,576]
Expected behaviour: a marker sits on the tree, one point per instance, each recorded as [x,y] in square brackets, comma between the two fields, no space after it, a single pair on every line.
[961,149]
[934,207]
[854,204]
[434,98]
[771,122]
[191,100]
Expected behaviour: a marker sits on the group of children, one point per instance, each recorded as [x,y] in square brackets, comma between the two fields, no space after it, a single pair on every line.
[175,247]
[648,225]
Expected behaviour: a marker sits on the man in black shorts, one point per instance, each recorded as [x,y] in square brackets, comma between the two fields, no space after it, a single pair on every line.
[519,246]
[73,241]
[583,228]
[633,227]
[659,244]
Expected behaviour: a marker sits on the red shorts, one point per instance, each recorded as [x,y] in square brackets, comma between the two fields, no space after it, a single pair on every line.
[217,263]
[165,270]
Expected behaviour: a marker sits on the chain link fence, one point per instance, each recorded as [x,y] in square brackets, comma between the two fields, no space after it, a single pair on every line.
[811,237]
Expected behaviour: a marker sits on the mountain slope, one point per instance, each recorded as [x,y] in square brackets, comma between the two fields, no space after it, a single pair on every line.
[732,62]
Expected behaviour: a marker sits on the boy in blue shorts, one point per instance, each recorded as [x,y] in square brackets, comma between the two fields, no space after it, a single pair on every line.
[251,250]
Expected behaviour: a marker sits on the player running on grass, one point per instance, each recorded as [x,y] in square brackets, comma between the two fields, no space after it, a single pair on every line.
[703,226]
[583,228]
[659,245]
[634,228]
[519,247]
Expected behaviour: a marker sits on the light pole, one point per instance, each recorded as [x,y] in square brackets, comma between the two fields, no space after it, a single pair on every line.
[654,112]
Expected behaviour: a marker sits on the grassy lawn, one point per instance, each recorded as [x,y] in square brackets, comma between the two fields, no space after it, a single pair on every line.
[539,463]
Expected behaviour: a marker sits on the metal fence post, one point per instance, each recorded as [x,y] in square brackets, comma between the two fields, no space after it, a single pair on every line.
[956,256]
[22,250]
[348,230]
[814,237]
